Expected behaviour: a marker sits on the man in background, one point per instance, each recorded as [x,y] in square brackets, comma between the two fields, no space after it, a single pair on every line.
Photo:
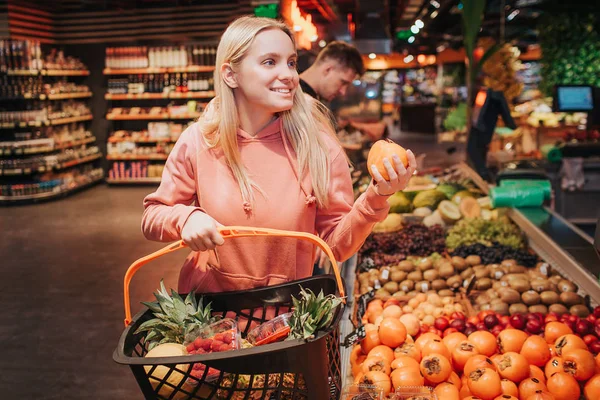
[336,66]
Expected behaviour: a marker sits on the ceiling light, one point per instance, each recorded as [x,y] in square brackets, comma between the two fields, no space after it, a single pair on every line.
[414,29]
[441,48]
[434,14]
[322,43]
[419,24]
[435,4]
[512,15]
[411,39]
[314,38]
[372,56]
[408,58]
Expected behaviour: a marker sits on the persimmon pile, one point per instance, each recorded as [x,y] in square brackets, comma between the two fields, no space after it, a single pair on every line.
[555,364]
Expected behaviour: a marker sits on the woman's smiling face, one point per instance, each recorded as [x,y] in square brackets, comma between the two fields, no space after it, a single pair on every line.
[267,76]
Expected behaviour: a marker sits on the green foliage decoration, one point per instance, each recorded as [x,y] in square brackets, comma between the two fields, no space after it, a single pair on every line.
[570,44]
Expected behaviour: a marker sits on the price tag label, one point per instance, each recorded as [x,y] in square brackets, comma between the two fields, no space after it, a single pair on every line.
[355,336]
[363,301]
[385,274]
[546,269]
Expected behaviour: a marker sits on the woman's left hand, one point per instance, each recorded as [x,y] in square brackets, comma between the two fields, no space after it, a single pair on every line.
[399,175]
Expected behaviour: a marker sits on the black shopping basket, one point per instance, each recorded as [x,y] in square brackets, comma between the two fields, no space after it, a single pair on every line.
[292,369]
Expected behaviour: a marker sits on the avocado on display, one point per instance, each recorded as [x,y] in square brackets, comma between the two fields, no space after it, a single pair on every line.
[429,198]
[400,203]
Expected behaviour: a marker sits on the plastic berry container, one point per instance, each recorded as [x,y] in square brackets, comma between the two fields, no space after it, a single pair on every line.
[361,392]
[415,393]
[220,336]
[271,331]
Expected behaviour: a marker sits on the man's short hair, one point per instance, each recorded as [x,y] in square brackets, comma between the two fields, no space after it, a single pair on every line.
[345,54]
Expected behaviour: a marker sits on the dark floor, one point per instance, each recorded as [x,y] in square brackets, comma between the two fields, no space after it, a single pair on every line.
[62,266]
[61,293]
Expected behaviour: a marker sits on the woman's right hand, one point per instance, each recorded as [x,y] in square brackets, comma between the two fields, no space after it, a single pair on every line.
[200,232]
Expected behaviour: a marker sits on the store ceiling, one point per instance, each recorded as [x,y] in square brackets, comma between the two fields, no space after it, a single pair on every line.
[110,5]
[442,19]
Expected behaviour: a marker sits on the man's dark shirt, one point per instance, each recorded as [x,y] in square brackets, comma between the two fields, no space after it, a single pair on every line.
[306,88]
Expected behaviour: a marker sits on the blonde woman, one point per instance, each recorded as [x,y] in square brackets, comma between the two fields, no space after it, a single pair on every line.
[263,155]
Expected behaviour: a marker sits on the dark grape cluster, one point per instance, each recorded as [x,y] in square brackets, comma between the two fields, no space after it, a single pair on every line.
[497,253]
[413,239]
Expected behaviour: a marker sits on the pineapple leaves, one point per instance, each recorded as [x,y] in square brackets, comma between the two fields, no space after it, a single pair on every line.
[312,313]
[174,317]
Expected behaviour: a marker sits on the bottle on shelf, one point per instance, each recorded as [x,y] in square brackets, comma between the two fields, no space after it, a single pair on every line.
[42,154]
[159,57]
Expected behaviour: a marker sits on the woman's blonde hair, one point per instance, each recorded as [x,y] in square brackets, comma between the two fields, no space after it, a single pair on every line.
[302,124]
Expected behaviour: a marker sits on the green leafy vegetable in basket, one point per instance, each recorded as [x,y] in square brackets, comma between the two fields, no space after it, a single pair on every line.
[175,318]
[311,313]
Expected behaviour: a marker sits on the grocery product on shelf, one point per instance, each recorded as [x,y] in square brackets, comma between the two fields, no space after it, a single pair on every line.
[164,83]
[42,123]
[413,239]
[479,230]
[159,57]
[484,316]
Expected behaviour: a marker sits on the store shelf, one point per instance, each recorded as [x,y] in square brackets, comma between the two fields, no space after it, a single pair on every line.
[148,117]
[48,195]
[132,181]
[43,168]
[61,146]
[154,96]
[133,71]
[192,95]
[65,72]
[56,121]
[64,96]
[61,121]
[579,263]
[147,140]
[83,160]
[131,96]
[48,72]
[136,157]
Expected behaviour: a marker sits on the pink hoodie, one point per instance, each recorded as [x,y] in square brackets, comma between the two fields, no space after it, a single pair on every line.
[196,178]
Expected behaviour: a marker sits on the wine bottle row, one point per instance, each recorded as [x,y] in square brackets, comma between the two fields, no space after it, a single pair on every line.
[159,57]
[33,86]
[161,83]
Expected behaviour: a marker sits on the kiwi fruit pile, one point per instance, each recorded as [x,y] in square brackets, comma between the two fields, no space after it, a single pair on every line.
[509,288]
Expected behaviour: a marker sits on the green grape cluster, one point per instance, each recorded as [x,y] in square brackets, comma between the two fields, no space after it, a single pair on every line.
[477,230]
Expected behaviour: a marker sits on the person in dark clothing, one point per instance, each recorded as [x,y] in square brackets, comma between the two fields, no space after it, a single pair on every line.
[336,66]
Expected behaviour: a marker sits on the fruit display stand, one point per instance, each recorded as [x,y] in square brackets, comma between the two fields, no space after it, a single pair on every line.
[565,254]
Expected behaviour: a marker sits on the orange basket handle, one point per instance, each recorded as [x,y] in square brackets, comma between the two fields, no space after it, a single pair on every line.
[230,232]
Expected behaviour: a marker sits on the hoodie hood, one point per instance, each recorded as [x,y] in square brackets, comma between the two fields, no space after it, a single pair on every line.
[274,132]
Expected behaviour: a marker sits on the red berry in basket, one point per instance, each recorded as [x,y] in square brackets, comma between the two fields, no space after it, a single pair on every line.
[206,345]
[228,337]
[198,342]
[200,351]
[198,367]
[219,337]
[226,347]
[191,348]
[212,371]
[216,345]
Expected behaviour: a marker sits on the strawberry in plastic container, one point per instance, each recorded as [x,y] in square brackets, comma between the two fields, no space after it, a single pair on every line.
[271,331]
[218,337]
